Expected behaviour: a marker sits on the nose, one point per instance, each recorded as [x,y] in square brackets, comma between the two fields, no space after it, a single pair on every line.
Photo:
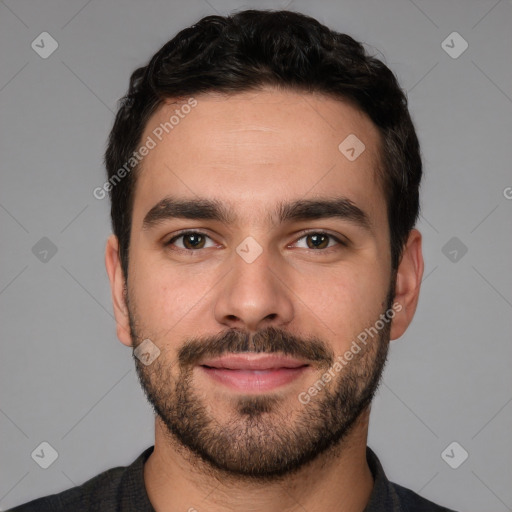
[254,295]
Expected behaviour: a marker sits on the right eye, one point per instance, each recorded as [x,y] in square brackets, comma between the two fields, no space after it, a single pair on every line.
[190,241]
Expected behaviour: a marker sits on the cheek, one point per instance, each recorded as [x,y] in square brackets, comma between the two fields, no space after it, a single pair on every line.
[346,301]
[165,295]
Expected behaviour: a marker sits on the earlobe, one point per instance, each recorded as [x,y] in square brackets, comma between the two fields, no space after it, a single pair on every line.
[408,283]
[117,288]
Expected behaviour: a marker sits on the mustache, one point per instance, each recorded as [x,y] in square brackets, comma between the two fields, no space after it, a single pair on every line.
[269,340]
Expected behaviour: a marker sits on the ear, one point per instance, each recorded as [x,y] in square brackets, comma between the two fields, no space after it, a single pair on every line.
[408,282]
[117,287]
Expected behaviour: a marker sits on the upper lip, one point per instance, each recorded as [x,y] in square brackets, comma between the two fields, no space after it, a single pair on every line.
[253,362]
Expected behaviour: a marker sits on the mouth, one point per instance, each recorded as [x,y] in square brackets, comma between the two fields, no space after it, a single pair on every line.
[253,372]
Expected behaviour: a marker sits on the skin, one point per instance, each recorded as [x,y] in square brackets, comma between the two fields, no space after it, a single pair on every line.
[252,151]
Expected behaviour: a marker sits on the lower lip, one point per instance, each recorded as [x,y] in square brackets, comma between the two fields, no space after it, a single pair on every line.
[254,380]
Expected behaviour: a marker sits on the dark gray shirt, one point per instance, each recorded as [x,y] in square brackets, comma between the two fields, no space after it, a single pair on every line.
[122,489]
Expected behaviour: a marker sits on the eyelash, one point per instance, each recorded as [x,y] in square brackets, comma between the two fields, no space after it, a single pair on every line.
[303,235]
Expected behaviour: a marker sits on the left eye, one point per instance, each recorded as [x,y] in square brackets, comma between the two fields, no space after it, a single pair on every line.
[319,240]
[190,240]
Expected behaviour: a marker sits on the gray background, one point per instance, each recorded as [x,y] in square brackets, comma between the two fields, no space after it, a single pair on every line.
[66,380]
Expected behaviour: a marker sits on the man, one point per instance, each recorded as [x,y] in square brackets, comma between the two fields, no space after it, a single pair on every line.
[264,175]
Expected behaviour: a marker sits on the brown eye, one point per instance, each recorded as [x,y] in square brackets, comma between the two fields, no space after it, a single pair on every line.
[190,240]
[317,240]
[193,241]
[320,241]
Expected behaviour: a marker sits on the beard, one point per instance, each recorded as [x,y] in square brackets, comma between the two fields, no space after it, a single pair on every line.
[262,439]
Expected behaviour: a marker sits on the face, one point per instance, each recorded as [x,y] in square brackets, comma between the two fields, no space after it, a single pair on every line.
[259,253]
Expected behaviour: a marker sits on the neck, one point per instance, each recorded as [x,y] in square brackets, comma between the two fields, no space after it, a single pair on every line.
[338,480]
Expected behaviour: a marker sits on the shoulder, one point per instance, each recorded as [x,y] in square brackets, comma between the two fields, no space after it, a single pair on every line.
[99,490]
[114,489]
[412,502]
[388,496]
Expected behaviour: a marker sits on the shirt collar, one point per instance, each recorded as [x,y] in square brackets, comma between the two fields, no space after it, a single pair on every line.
[382,497]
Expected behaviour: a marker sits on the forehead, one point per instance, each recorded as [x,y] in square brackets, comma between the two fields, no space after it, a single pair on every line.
[256,148]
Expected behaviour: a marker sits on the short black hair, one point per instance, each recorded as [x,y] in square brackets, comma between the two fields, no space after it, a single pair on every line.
[247,51]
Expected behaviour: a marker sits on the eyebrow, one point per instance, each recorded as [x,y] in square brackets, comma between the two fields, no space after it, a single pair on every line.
[299,210]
